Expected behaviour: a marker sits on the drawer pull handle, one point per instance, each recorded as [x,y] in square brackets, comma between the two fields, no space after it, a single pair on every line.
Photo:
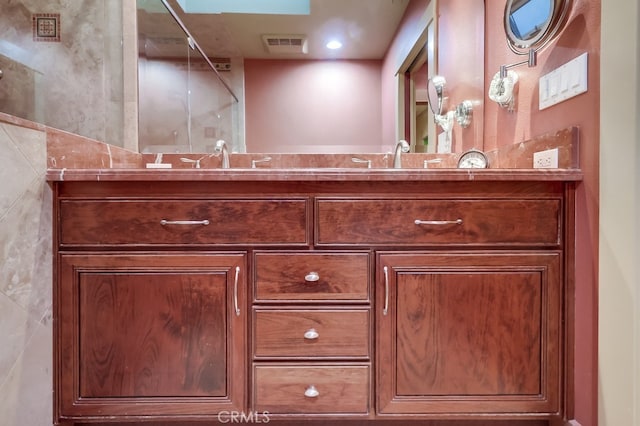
[438,222]
[311,334]
[312,277]
[386,291]
[311,392]
[165,222]
[235,292]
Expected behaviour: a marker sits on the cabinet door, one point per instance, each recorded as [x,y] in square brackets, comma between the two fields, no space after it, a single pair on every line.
[463,333]
[150,334]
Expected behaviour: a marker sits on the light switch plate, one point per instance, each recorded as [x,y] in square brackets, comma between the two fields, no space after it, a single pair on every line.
[565,82]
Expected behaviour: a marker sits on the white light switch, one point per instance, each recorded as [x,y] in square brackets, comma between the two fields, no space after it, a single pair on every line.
[565,82]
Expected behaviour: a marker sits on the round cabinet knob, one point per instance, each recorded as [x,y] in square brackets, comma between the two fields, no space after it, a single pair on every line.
[311,334]
[311,392]
[312,277]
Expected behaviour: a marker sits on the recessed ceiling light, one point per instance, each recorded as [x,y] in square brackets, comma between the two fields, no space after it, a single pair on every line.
[334,44]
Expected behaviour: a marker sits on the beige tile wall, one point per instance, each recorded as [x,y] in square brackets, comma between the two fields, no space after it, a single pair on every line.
[25,279]
[75,84]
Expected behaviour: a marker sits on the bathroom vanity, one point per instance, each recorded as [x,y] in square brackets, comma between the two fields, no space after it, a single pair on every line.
[317,294]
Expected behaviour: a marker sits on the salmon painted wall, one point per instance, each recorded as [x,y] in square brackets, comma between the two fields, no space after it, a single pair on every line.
[283,90]
[461,62]
[501,128]
[303,106]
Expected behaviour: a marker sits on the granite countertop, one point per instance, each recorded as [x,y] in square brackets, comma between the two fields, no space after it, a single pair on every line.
[312,174]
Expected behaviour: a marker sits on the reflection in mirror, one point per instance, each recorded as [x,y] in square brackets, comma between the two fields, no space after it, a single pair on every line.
[528,19]
[435,92]
[443,118]
[418,118]
[530,24]
[184,106]
[294,96]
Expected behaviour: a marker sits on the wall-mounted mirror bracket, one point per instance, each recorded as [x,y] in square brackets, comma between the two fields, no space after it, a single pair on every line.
[531,61]
[503,85]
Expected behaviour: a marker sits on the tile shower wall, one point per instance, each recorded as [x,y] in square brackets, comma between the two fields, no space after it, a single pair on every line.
[25,279]
[75,84]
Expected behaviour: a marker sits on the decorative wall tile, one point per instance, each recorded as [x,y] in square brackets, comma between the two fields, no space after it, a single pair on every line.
[46,27]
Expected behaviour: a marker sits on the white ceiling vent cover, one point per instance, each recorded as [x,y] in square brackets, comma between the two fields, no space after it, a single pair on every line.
[285,43]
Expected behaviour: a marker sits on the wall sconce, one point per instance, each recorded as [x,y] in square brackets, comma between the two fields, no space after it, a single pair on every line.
[464,112]
[437,100]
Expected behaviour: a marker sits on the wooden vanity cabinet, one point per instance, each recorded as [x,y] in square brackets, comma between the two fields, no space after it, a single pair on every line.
[312,334]
[140,334]
[468,297]
[469,333]
[151,291]
[319,300]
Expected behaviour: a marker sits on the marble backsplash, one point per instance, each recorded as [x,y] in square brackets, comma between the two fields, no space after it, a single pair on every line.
[67,151]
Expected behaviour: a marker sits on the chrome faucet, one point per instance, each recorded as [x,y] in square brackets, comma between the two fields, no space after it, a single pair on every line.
[426,163]
[361,161]
[221,146]
[262,160]
[401,146]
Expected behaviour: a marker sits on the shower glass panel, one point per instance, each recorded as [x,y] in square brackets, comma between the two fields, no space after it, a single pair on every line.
[184,103]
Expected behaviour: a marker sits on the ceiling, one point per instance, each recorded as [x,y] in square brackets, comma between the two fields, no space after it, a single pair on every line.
[365,27]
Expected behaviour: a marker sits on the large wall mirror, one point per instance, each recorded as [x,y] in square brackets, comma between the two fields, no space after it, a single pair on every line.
[278,88]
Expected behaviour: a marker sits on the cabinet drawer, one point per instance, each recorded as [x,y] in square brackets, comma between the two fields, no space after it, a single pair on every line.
[311,333]
[192,222]
[415,222]
[311,388]
[312,277]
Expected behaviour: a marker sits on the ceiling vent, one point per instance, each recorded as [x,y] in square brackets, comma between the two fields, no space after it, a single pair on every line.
[285,43]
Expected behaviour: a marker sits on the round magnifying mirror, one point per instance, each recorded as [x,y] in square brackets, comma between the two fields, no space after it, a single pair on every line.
[530,24]
[435,94]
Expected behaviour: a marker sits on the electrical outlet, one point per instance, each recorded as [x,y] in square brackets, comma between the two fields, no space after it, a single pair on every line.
[546,159]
